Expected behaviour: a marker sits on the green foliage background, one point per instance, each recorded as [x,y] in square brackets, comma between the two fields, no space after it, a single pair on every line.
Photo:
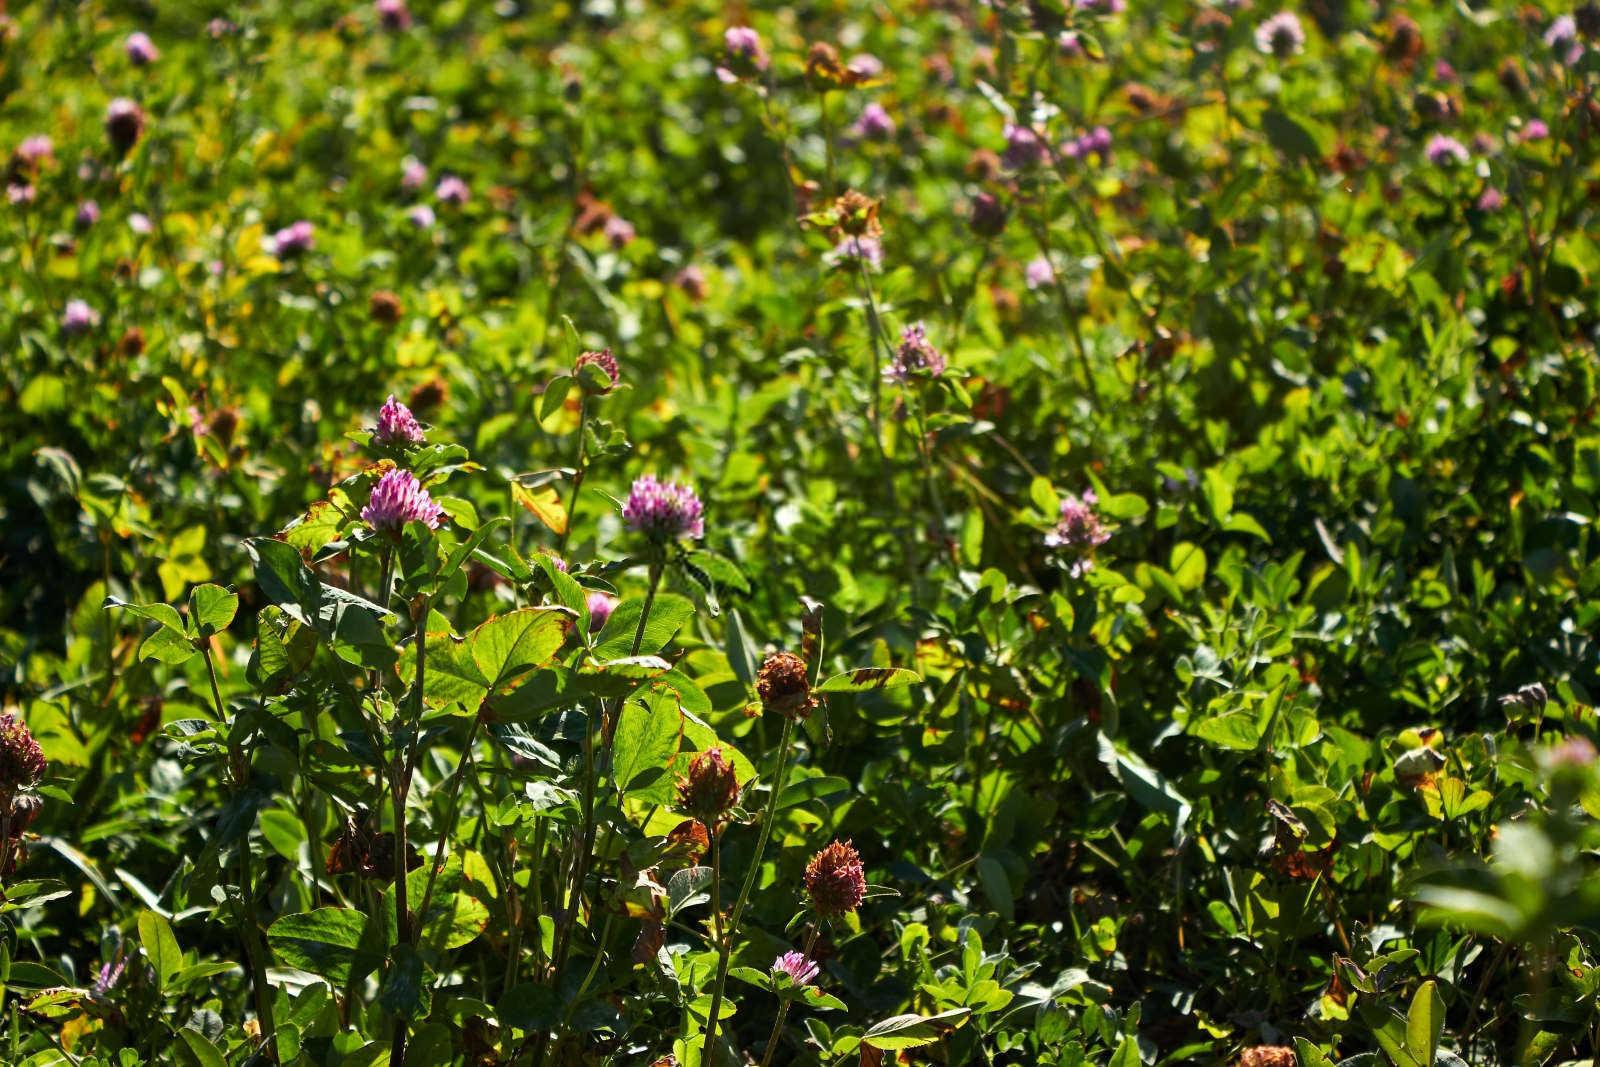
[1247,781]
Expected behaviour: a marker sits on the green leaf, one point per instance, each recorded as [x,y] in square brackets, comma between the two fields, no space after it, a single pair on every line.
[647,737]
[1292,140]
[864,679]
[1234,729]
[168,646]
[530,1007]
[406,991]
[510,645]
[204,1052]
[326,942]
[164,614]
[913,1031]
[284,577]
[1310,1055]
[667,614]
[996,886]
[160,947]
[1188,565]
[211,608]
[1425,1022]
[798,792]
[555,394]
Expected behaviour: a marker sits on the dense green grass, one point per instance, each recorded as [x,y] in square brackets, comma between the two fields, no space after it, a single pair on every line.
[1200,608]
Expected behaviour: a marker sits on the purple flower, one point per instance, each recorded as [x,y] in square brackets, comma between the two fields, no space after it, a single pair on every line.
[1574,752]
[1534,130]
[1281,35]
[219,28]
[140,223]
[20,193]
[292,240]
[1097,142]
[1070,43]
[422,217]
[916,357]
[124,123]
[413,176]
[142,51]
[865,65]
[22,761]
[452,190]
[393,15]
[665,511]
[399,498]
[1038,273]
[744,44]
[619,231]
[800,968]
[1562,39]
[1103,7]
[396,424]
[78,318]
[1444,71]
[1024,147]
[110,974]
[35,150]
[606,362]
[874,124]
[850,249]
[1490,199]
[1445,151]
[600,606]
[88,214]
[1079,530]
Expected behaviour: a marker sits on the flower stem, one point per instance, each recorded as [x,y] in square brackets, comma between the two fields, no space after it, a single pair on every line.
[725,947]
[400,790]
[580,468]
[249,929]
[783,1005]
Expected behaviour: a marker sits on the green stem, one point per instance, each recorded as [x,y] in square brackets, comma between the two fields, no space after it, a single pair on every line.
[580,468]
[724,951]
[783,1005]
[249,929]
[452,810]
[400,790]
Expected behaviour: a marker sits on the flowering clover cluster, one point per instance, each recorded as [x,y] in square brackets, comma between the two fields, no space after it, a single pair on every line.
[835,880]
[399,498]
[1281,35]
[396,424]
[1079,530]
[800,968]
[292,240]
[664,511]
[916,356]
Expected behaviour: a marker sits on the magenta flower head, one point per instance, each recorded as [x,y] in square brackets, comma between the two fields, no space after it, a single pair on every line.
[1570,753]
[422,217]
[124,124]
[1281,35]
[1078,530]
[397,499]
[663,511]
[452,190]
[746,57]
[1070,44]
[21,759]
[1562,39]
[1534,130]
[1039,273]
[1490,199]
[413,176]
[88,214]
[20,193]
[1024,147]
[853,249]
[293,240]
[600,607]
[619,232]
[78,318]
[393,15]
[916,357]
[800,968]
[603,377]
[874,124]
[34,150]
[1445,151]
[396,425]
[141,50]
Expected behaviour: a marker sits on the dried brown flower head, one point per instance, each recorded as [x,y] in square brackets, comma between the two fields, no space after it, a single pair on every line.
[710,787]
[783,685]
